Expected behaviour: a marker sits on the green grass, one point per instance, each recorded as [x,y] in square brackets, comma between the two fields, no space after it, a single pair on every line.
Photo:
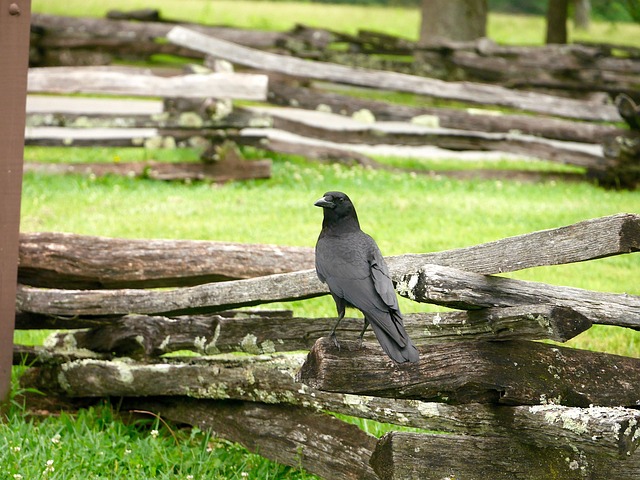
[97,443]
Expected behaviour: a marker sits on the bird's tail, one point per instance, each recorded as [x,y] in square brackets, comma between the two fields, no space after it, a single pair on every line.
[399,353]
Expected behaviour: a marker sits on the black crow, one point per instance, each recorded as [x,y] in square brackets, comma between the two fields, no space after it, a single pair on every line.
[350,263]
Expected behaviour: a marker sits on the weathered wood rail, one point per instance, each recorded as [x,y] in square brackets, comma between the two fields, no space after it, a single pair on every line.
[521,409]
[571,69]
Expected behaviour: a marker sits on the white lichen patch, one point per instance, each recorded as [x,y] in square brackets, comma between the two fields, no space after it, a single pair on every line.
[324,108]
[482,111]
[364,116]
[199,142]
[616,427]
[200,344]
[268,346]
[406,286]
[260,122]
[249,376]
[169,143]
[160,118]
[165,342]
[543,321]
[190,120]
[125,375]
[430,121]
[249,344]
[153,143]
[223,109]
[428,409]
[216,391]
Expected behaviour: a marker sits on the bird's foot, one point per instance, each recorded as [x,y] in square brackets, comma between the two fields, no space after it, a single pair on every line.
[360,341]
[334,338]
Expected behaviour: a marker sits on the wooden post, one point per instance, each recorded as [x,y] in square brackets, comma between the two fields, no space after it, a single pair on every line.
[15,17]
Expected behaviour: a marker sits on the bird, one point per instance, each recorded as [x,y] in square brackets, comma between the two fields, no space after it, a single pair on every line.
[349,261]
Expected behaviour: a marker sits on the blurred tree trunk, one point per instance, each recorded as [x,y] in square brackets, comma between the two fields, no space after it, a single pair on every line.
[557,13]
[582,13]
[458,20]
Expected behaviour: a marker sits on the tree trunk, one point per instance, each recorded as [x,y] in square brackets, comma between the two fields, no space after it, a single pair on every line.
[557,12]
[582,14]
[457,20]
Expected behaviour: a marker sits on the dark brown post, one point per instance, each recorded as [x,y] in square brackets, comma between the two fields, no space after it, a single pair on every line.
[557,14]
[15,17]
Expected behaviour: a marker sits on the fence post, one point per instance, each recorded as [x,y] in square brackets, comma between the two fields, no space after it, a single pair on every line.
[15,19]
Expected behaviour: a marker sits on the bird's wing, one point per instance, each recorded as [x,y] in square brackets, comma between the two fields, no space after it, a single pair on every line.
[381,277]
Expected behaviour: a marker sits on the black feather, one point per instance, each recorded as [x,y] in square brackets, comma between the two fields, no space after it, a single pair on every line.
[350,263]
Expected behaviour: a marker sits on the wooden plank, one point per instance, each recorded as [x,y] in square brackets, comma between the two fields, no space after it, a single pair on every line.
[108,137]
[89,80]
[43,104]
[122,137]
[586,240]
[615,235]
[82,112]
[295,436]
[62,31]
[601,430]
[461,91]
[461,289]
[341,129]
[141,335]
[67,260]
[402,455]
[14,44]
[284,94]
[509,373]
[319,443]
[223,171]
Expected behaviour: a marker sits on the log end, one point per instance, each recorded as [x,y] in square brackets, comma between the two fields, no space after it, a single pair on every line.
[566,323]
[331,369]
[382,460]
[630,233]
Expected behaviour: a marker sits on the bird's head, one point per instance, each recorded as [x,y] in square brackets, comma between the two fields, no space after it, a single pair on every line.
[337,206]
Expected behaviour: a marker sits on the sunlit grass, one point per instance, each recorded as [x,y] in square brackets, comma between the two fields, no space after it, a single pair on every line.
[96,443]
[280,16]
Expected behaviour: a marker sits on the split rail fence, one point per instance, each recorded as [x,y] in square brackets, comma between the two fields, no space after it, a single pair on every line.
[498,403]
[317,122]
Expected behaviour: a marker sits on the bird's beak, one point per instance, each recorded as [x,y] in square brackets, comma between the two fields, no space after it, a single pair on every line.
[324,203]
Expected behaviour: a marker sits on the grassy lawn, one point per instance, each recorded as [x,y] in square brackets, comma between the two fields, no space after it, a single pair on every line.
[405,213]
[405,22]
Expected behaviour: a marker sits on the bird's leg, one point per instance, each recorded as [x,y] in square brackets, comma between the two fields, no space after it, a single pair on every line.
[364,329]
[333,330]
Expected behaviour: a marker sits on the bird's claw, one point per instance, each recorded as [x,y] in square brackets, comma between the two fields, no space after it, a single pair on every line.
[334,338]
